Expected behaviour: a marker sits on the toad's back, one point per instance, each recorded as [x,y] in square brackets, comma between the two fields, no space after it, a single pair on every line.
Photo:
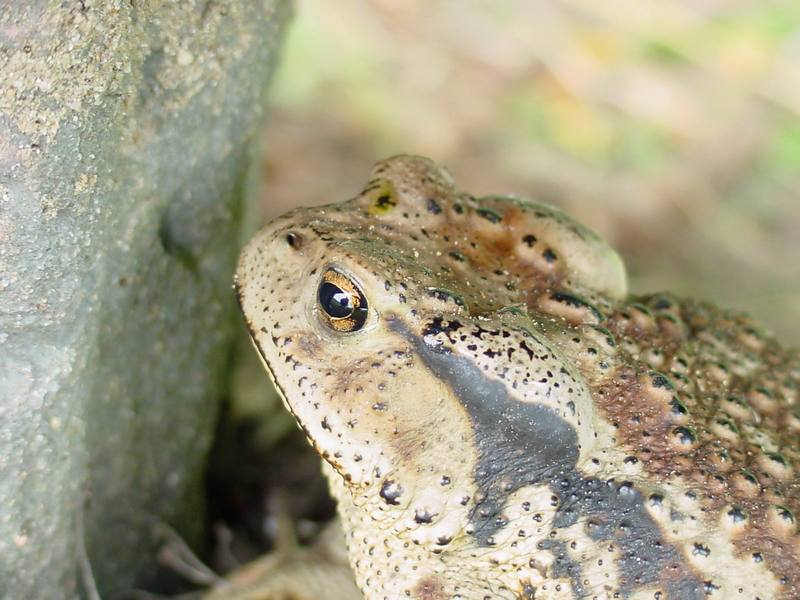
[499,419]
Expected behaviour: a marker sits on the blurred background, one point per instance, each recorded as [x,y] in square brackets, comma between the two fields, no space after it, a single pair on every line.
[671,128]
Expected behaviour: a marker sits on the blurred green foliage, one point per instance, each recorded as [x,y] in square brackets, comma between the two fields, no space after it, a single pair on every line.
[671,128]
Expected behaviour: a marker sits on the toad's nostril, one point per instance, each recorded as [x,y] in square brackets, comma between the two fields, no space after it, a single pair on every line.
[294,240]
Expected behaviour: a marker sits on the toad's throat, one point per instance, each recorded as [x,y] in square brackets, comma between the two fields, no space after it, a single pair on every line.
[525,443]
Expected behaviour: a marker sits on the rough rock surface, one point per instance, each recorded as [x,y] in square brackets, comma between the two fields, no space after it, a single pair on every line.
[124,161]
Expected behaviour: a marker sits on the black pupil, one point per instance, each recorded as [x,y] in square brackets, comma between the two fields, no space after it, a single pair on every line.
[335,301]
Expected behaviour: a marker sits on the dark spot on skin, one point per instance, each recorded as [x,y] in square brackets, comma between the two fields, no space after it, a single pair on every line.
[709,587]
[523,444]
[779,458]
[785,514]
[528,590]
[446,295]
[685,435]
[574,301]
[391,491]
[385,201]
[609,337]
[490,215]
[662,303]
[737,515]
[527,349]
[659,380]
[423,516]
[641,308]
[443,540]
[728,424]
[678,407]
[434,207]
[323,235]
[439,325]
[458,256]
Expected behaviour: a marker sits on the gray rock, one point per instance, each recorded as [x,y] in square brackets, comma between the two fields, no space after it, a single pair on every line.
[126,132]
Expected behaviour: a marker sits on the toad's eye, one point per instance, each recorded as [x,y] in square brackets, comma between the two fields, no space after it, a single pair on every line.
[342,304]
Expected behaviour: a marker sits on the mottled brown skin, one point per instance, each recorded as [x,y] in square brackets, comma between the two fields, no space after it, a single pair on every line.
[737,386]
[499,419]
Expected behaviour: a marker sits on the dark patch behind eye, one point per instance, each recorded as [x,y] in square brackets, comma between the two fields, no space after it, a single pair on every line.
[526,443]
